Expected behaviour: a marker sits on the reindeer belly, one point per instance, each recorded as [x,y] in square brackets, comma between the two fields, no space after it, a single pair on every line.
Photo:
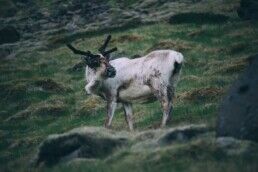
[136,93]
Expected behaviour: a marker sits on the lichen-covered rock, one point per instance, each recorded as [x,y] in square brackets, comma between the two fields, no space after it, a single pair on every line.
[238,114]
[78,143]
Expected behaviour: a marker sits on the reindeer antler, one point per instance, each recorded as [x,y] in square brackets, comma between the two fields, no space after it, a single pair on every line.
[102,49]
[76,51]
[104,46]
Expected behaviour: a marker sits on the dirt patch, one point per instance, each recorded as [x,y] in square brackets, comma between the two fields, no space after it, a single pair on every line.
[173,45]
[198,18]
[201,94]
[128,38]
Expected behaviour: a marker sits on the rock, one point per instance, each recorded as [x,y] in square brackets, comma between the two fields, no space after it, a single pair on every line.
[100,143]
[248,9]
[238,113]
[79,143]
[9,34]
[183,134]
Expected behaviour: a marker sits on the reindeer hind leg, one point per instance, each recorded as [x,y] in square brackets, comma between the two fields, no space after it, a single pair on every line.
[164,94]
[128,115]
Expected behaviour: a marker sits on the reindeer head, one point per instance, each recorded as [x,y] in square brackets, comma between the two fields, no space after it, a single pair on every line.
[98,62]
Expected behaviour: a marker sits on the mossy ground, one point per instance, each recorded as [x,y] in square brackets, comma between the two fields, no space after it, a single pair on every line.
[214,54]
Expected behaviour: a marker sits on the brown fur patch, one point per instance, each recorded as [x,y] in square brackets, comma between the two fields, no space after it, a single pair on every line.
[157,73]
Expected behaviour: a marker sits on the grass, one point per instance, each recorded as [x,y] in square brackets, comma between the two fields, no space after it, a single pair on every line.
[215,55]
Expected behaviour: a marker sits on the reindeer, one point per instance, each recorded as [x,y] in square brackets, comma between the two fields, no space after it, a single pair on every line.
[123,80]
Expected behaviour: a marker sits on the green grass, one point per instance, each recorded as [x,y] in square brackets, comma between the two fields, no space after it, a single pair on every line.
[211,55]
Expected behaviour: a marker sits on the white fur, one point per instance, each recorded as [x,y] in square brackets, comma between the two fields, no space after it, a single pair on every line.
[137,79]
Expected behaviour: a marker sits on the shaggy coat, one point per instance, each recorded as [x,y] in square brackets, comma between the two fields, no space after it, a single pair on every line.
[151,77]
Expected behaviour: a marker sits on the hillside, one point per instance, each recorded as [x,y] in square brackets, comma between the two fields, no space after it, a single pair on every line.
[42,82]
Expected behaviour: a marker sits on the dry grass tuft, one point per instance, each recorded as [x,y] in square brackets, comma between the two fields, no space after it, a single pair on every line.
[191,78]
[200,94]
[50,85]
[173,45]
[230,66]
[54,107]
[90,106]
[195,33]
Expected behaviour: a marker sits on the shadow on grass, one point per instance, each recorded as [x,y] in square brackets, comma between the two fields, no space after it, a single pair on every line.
[198,18]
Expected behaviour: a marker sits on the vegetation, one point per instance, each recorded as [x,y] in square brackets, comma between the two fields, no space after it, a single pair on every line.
[41,95]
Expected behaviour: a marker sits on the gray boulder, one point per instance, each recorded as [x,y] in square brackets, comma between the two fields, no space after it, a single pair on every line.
[93,143]
[238,114]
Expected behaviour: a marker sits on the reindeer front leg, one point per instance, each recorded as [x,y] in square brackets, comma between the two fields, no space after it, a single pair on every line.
[111,107]
[92,86]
